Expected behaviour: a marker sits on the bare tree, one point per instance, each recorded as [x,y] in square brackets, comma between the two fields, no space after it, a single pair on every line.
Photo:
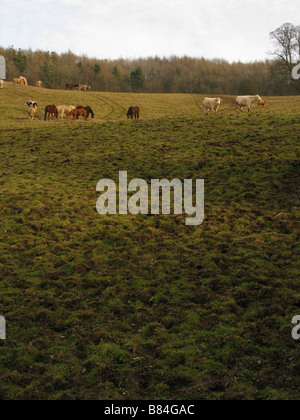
[297,40]
[286,41]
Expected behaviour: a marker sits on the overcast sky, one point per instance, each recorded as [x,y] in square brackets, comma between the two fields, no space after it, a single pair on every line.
[231,29]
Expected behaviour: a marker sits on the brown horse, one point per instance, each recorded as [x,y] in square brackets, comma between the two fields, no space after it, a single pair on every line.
[19,81]
[133,111]
[70,86]
[76,113]
[88,110]
[51,110]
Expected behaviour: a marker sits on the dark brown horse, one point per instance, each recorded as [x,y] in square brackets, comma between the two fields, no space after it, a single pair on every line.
[51,110]
[70,86]
[133,111]
[76,113]
[88,110]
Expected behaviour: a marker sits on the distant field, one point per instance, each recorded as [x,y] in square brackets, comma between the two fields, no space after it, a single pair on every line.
[124,307]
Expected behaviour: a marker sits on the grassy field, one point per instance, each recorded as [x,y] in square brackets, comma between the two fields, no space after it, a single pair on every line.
[124,307]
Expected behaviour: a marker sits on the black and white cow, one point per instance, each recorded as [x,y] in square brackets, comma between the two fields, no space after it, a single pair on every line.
[31,104]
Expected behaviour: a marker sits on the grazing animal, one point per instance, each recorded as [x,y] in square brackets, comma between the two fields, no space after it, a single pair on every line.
[25,80]
[62,109]
[77,113]
[88,110]
[32,104]
[39,83]
[84,87]
[1,84]
[246,101]
[262,103]
[17,81]
[31,112]
[51,110]
[70,86]
[133,111]
[211,104]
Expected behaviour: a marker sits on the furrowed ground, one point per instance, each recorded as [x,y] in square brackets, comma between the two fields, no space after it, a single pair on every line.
[124,307]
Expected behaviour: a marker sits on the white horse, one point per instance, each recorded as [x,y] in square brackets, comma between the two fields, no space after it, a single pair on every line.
[25,80]
[62,109]
[31,112]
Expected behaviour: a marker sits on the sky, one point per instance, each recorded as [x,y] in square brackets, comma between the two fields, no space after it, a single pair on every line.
[234,30]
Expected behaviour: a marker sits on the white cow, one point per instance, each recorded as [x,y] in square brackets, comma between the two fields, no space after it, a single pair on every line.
[246,101]
[1,84]
[62,109]
[31,104]
[211,104]
[84,87]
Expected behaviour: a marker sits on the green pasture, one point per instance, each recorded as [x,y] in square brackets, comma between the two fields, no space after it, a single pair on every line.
[144,307]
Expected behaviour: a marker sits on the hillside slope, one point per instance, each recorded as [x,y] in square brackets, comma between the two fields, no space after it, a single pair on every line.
[125,307]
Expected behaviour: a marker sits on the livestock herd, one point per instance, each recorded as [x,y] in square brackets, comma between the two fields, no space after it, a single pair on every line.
[52,111]
[70,86]
[213,104]
[21,80]
[209,104]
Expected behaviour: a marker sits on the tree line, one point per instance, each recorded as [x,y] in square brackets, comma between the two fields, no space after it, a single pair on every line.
[165,75]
